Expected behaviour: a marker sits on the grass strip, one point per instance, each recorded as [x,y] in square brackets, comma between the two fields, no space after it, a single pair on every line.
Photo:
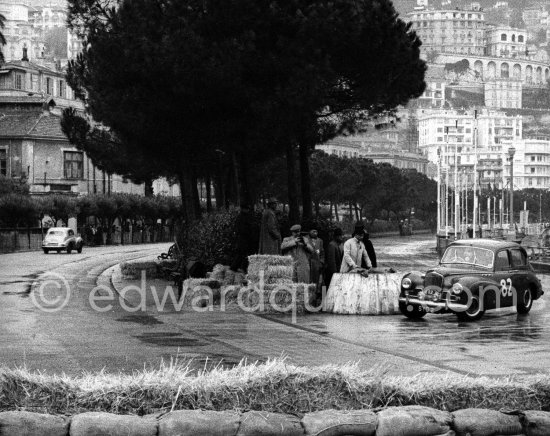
[274,386]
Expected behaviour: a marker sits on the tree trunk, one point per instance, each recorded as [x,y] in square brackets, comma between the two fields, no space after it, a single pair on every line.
[317,209]
[208,182]
[330,211]
[246,195]
[149,188]
[293,207]
[336,211]
[305,183]
[219,188]
[196,199]
[235,173]
[186,190]
[357,218]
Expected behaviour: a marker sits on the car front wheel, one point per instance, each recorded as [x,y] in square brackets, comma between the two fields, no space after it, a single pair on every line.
[79,249]
[525,301]
[46,251]
[69,249]
[473,312]
[412,311]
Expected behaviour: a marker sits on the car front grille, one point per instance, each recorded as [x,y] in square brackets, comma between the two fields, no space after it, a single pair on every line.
[433,279]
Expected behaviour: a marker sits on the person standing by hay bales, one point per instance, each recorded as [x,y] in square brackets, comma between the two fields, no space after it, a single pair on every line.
[355,252]
[247,236]
[301,250]
[317,258]
[270,237]
[370,250]
[335,253]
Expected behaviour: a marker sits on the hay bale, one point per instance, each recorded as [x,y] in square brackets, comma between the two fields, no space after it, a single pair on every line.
[229,278]
[276,298]
[219,271]
[239,279]
[201,292]
[352,293]
[272,274]
[338,422]
[412,421]
[133,270]
[535,422]
[485,422]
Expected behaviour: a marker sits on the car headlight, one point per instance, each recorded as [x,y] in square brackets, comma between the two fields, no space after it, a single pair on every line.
[457,288]
[406,283]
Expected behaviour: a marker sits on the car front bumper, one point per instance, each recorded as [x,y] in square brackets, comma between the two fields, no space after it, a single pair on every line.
[445,305]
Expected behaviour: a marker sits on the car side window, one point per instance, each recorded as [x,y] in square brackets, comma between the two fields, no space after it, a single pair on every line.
[518,258]
[71,233]
[501,262]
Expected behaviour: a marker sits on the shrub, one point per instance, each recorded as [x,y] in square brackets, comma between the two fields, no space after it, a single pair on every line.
[211,240]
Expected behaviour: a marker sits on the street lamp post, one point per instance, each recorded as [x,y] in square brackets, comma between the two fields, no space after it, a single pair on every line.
[511,152]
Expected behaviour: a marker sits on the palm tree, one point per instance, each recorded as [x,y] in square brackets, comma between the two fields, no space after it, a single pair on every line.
[2,38]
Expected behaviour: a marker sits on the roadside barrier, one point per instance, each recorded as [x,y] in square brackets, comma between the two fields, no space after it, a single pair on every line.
[392,421]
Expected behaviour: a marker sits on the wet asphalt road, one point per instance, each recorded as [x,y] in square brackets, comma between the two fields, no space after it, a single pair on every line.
[77,338]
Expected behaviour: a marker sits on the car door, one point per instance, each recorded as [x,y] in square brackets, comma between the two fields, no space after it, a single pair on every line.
[518,272]
[503,277]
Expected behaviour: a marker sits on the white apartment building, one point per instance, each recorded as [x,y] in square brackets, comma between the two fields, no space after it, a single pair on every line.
[445,128]
[450,30]
[531,163]
[379,147]
[503,93]
[507,42]
[22,37]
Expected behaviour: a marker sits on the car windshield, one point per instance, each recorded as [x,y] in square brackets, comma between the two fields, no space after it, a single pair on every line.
[469,256]
[55,233]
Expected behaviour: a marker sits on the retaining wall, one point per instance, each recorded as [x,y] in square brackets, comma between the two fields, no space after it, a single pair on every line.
[392,421]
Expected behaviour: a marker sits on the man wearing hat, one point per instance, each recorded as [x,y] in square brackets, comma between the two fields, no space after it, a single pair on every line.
[355,252]
[270,237]
[335,253]
[317,258]
[300,250]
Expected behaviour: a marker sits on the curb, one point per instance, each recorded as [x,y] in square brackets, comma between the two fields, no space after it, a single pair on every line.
[392,421]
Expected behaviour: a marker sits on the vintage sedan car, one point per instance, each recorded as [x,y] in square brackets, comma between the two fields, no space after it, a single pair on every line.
[60,239]
[473,275]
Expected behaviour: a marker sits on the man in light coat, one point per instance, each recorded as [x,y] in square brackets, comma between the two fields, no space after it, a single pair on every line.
[355,252]
[270,237]
[301,251]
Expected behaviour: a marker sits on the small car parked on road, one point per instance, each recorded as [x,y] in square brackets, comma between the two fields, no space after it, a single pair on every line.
[473,276]
[60,239]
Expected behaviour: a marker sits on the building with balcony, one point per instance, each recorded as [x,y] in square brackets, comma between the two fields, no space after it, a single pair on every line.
[380,147]
[450,30]
[22,37]
[32,144]
[506,42]
[503,93]
[461,132]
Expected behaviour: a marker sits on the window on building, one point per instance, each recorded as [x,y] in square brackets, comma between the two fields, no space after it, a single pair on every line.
[61,89]
[49,86]
[532,169]
[503,37]
[19,81]
[3,162]
[73,164]
[532,158]
[520,38]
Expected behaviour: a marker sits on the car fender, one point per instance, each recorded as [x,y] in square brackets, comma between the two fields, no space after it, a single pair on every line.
[473,285]
[416,277]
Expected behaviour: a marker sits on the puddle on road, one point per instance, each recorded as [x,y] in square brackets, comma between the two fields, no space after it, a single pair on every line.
[140,319]
[170,339]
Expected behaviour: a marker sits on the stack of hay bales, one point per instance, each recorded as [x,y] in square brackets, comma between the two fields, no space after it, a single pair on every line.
[270,287]
[226,276]
[352,293]
[203,291]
